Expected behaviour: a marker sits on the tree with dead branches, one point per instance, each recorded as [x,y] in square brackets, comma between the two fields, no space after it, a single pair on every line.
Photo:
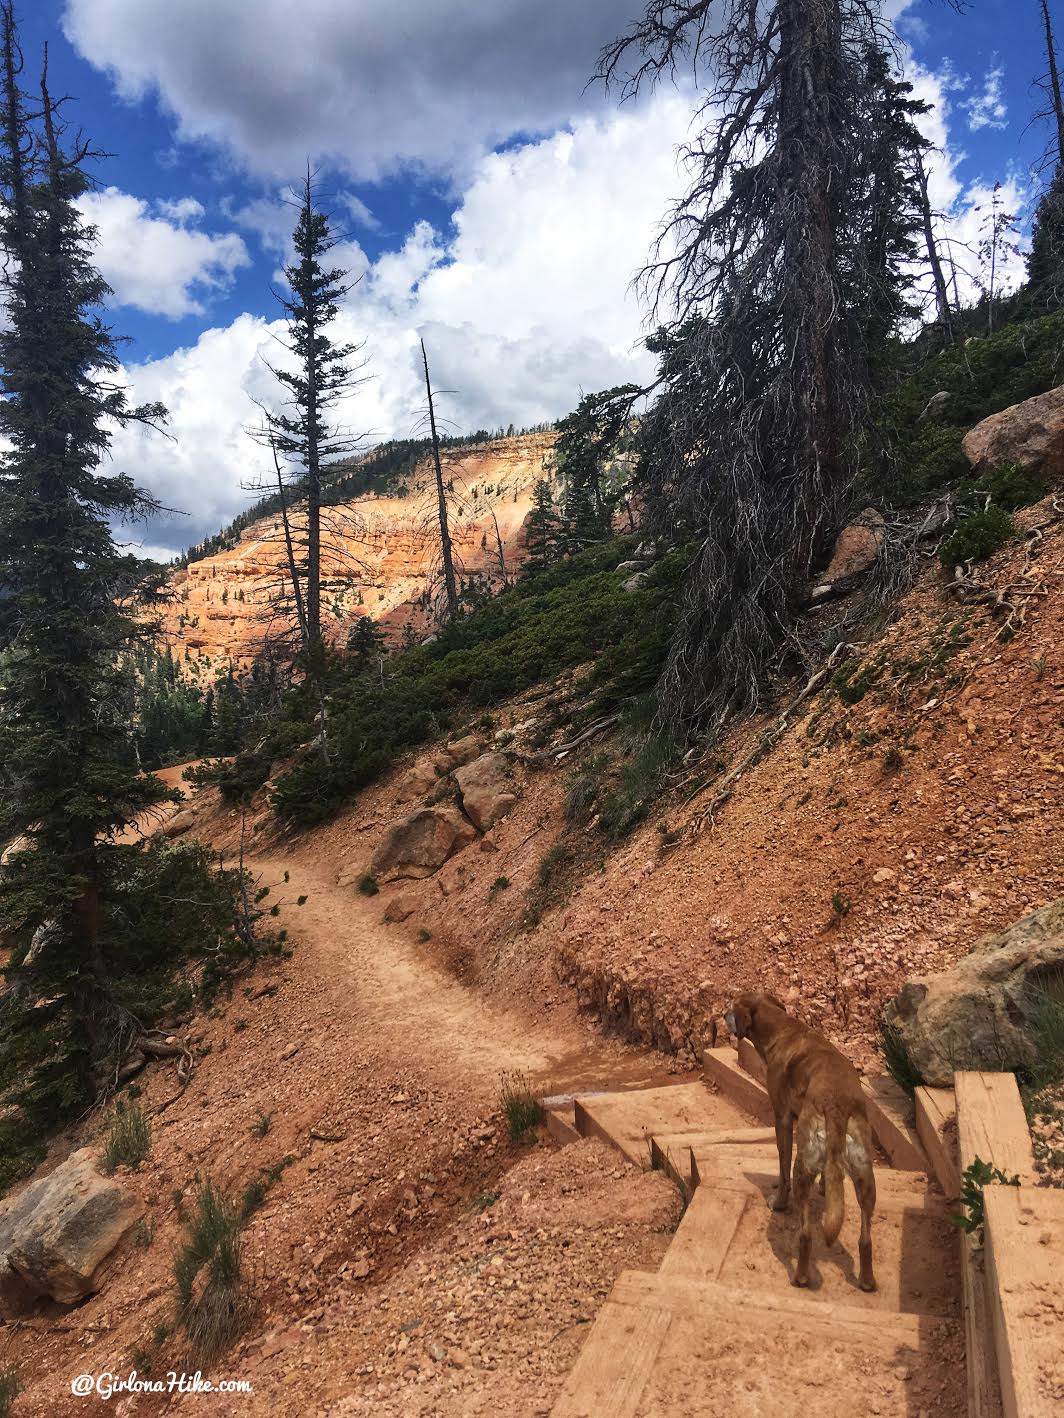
[302,436]
[772,292]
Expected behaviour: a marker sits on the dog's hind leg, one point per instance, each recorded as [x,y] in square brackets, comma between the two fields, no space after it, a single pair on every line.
[803,1190]
[864,1183]
[784,1137]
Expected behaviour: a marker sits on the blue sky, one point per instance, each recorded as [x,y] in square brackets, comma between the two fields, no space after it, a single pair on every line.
[490,202]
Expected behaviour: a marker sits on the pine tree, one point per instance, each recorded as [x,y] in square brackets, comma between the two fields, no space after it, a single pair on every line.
[587,438]
[72,781]
[541,529]
[318,377]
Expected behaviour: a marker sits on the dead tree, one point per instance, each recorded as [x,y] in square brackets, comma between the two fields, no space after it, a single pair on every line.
[767,290]
[446,550]
[934,260]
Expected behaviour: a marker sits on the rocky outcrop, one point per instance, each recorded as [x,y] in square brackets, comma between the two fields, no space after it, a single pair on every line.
[974,1015]
[59,1234]
[1030,434]
[418,845]
[486,789]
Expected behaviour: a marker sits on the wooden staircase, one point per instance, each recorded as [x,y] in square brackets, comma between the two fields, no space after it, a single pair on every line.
[720,1330]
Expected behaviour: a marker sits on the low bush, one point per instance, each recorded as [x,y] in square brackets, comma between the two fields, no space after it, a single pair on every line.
[976,537]
[573,613]
[898,1060]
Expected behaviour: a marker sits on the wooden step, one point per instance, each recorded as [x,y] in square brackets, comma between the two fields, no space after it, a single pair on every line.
[936,1124]
[704,1236]
[670,1347]
[1025,1267]
[671,1151]
[893,1121]
[615,1363]
[991,1123]
[721,1067]
[628,1120]
[992,1126]
[561,1124]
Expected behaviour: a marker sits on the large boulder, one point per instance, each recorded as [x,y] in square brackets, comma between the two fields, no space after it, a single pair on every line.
[418,845]
[855,551]
[486,789]
[1030,434]
[59,1234]
[974,1016]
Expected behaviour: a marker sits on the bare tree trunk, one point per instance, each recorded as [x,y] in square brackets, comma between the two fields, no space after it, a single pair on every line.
[1054,82]
[293,571]
[500,556]
[945,313]
[445,535]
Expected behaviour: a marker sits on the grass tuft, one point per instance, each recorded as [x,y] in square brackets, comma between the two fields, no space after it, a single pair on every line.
[898,1060]
[367,884]
[129,1141]
[211,1304]
[9,1389]
[519,1105]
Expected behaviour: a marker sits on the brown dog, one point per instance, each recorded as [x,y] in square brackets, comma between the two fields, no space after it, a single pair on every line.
[809,1079]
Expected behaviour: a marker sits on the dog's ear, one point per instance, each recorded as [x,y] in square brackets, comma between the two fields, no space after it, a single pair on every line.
[777,1002]
[739,1020]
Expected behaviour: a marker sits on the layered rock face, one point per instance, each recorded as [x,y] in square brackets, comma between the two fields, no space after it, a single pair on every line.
[379,557]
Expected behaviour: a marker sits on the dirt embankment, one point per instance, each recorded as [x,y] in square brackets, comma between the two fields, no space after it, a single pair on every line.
[913,804]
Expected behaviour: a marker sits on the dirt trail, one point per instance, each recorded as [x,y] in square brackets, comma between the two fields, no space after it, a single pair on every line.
[414,1006]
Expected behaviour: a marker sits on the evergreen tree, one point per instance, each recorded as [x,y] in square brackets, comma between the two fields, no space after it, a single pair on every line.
[541,529]
[318,377]
[587,438]
[72,781]
[366,640]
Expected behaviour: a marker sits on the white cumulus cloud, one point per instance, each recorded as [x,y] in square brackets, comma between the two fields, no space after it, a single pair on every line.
[371,86]
[524,303]
[987,108]
[158,263]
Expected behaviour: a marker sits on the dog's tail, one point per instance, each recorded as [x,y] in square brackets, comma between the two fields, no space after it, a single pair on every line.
[834,1175]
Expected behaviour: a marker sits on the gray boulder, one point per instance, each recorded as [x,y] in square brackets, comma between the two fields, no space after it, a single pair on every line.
[936,407]
[59,1234]
[418,845]
[486,789]
[974,1016]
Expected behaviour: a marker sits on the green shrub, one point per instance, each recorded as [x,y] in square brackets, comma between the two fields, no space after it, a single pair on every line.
[519,1104]
[129,1141]
[934,460]
[367,884]
[974,1178]
[652,755]
[976,537]
[572,613]
[1010,486]
[499,884]
[1045,1029]
[210,1311]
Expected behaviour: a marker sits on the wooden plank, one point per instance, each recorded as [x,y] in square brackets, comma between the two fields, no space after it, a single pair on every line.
[1024,1247]
[991,1123]
[936,1124]
[890,1113]
[721,1068]
[671,1151]
[628,1119]
[786,1306]
[704,1236]
[992,1126]
[615,1363]
[984,1392]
